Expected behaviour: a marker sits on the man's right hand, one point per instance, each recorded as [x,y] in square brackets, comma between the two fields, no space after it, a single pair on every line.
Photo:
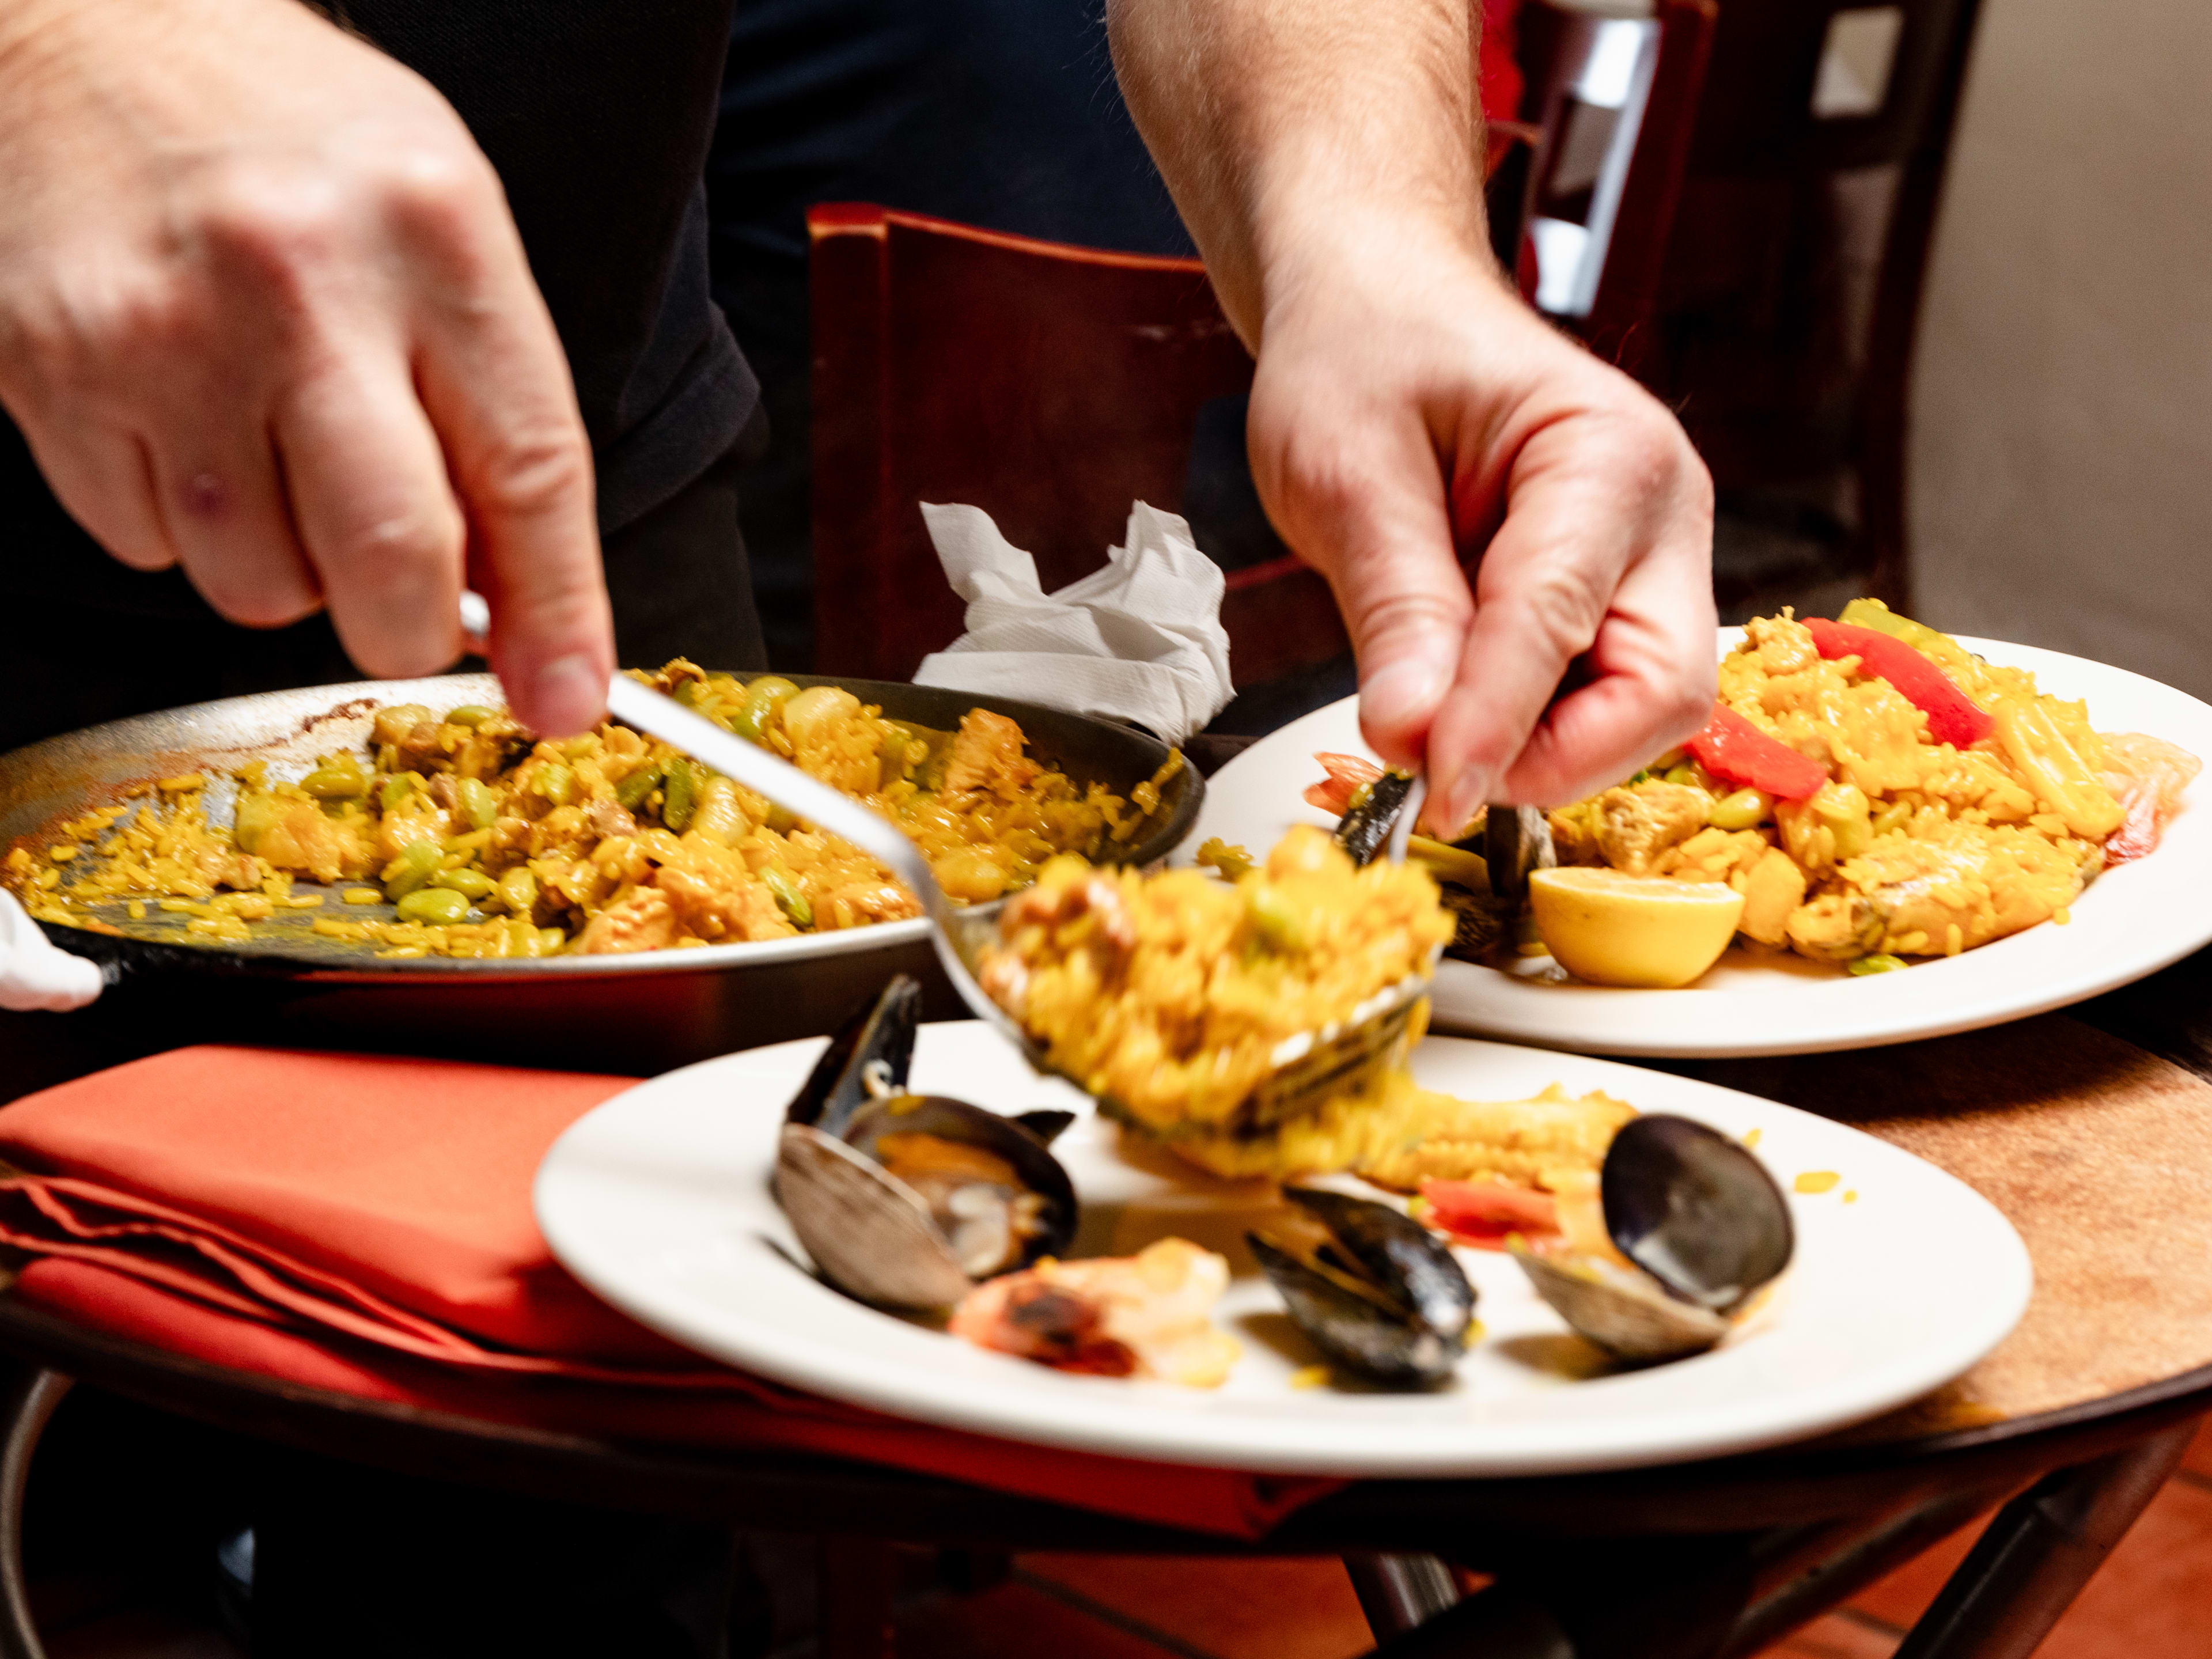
[264,314]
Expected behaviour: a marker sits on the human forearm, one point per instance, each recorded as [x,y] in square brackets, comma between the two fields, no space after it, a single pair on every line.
[1287,128]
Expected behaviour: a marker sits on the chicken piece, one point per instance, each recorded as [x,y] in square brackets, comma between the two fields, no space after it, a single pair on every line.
[986,754]
[1774,888]
[1982,882]
[717,898]
[1834,927]
[396,831]
[1524,1143]
[301,837]
[646,920]
[1574,834]
[1637,823]
[607,816]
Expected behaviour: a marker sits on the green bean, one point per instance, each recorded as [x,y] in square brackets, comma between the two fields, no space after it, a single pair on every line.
[764,698]
[518,891]
[1877,964]
[1744,810]
[336,781]
[469,713]
[1842,807]
[636,786]
[1685,774]
[470,883]
[689,692]
[780,819]
[1894,815]
[550,940]
[680,794]
[417,862]
[789,898]
[556,783]
[395,789]
[433,906]
[478,805]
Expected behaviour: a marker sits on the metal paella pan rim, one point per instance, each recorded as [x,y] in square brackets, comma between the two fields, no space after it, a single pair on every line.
[45,783]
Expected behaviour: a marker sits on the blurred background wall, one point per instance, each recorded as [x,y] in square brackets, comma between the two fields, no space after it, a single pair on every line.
[2061,484]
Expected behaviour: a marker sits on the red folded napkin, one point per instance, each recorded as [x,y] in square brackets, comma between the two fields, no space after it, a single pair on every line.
[363,1225]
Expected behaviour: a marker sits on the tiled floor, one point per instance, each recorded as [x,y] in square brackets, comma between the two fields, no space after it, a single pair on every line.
[2152,1601]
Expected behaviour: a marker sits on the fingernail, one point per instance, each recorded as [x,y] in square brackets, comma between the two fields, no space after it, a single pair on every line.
[1401,692]
[572,694]
[1469,792]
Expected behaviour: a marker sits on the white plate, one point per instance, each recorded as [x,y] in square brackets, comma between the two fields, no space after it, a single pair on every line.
[659,1202]
[2131,921]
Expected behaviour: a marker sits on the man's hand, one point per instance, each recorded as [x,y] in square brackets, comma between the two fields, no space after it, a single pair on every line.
[264,314]
[1410,414]
[1409,411]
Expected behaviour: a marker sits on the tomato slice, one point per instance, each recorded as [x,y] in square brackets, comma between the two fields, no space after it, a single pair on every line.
[1731,747]
[1953,716]
[1485,1213]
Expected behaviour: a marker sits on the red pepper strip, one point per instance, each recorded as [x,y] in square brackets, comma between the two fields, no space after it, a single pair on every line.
[1731,747]
[1953,716]
[1485,1213]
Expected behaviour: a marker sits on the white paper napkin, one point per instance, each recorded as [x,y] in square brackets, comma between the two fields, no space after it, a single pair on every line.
[35,976]
[1141,640]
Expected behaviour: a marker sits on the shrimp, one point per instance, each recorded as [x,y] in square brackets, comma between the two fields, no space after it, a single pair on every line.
[1346,774]
[2147,774]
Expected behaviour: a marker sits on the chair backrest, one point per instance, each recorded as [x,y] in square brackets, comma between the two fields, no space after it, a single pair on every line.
[1050,386]
[1791,301]
[1616,99]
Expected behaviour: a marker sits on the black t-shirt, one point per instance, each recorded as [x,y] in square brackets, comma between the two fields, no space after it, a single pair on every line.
[596,117]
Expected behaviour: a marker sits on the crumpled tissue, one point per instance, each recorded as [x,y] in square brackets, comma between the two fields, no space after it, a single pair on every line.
[1141,640]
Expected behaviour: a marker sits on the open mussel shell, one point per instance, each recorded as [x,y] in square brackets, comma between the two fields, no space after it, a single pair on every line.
[1620,1309]
[1363,829]
[870,1054]
[986,1194]
[1373,1289]
[1696,1210]
[1516,842]
[1704,1225]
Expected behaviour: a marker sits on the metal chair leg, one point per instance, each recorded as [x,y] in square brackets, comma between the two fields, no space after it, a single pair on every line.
[2027,1568]
[1399,1592]
[29,1408]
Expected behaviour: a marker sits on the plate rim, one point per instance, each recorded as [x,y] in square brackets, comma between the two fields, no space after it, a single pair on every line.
[1719,1430]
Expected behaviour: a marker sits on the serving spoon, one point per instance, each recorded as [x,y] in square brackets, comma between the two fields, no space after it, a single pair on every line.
[1307,1069]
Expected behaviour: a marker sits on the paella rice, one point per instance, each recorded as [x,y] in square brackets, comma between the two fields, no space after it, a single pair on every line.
[488,842]
[1168,995]
[1875,792]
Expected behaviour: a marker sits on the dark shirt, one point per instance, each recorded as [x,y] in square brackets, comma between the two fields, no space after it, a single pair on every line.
[596,117]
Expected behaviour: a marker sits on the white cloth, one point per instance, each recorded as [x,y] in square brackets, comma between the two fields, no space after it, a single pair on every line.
[35,976]
[1141,640]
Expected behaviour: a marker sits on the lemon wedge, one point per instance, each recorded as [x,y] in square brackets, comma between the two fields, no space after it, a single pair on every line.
[1612,928]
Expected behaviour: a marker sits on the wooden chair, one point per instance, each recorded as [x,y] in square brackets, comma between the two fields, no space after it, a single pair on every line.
[1786,326]
[1050,386]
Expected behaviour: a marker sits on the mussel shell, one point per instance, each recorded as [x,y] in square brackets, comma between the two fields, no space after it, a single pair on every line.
[1623,1311]
[870,1234]
[880,1036]
[956,1120]
[1516,840]
[1416,1331]
[1696,1210]
[1480,921]
[1363,831]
